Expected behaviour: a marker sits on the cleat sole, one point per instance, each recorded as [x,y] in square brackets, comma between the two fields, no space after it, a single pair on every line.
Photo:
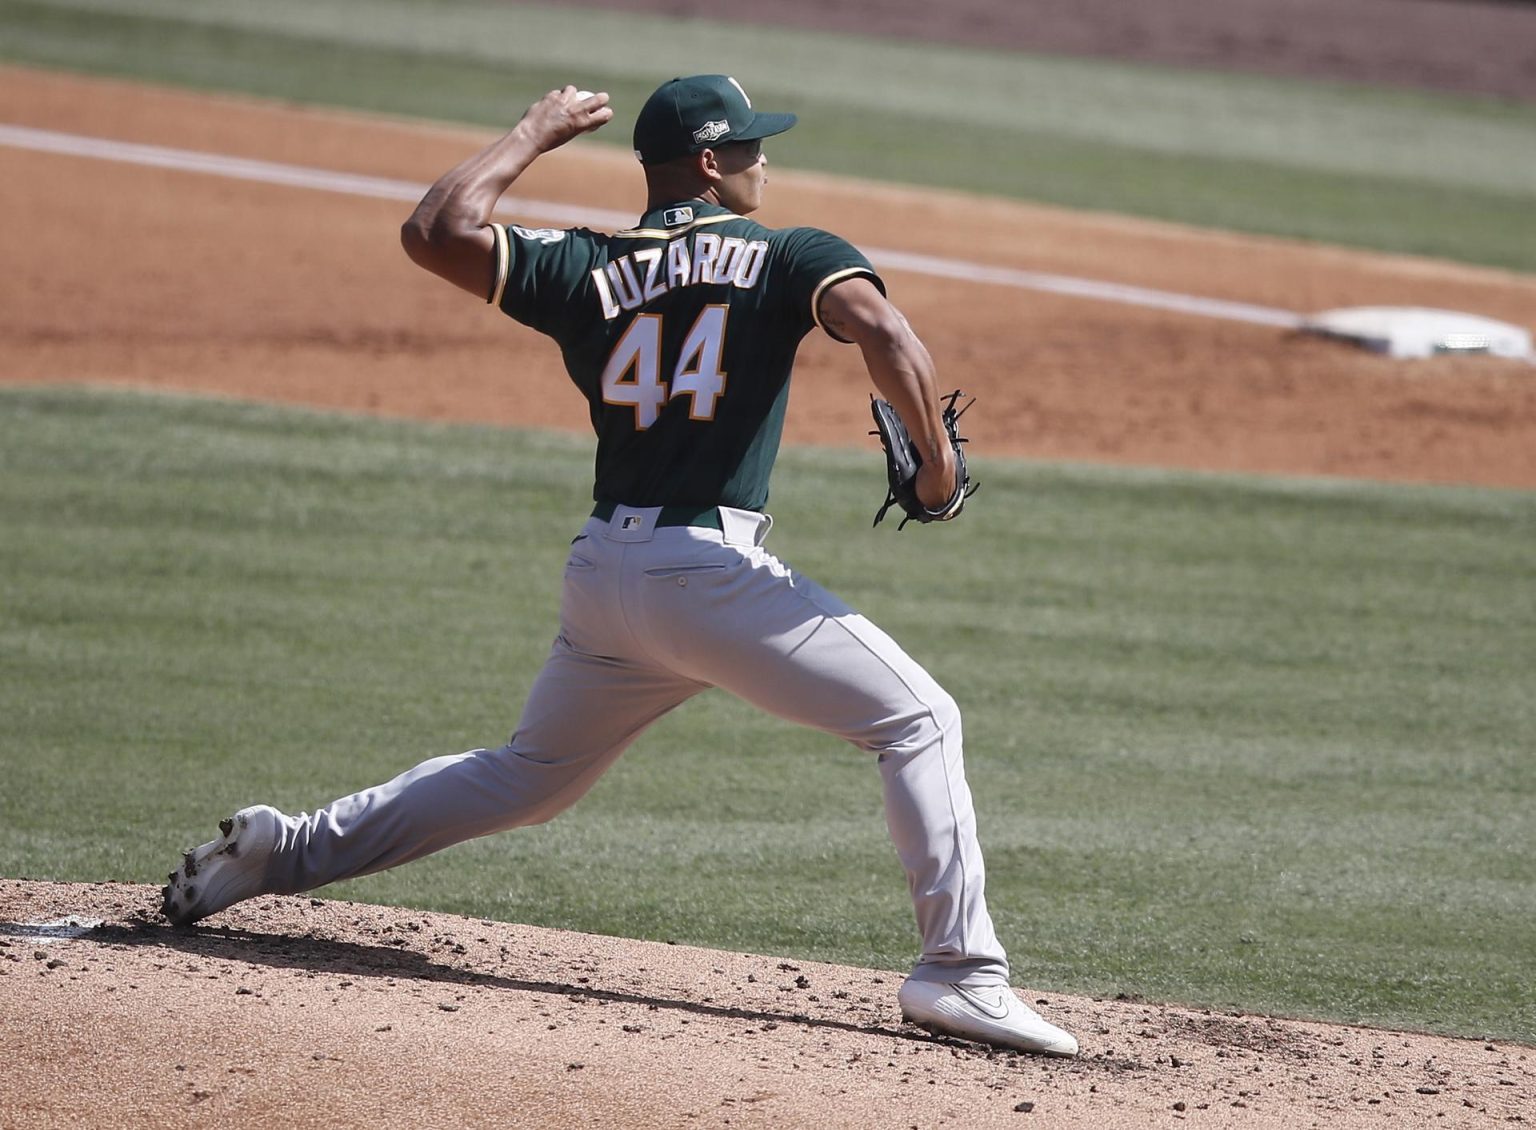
[224,872]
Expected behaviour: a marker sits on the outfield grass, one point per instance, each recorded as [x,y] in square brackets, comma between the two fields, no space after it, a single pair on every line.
[1247,742]
[1441,175]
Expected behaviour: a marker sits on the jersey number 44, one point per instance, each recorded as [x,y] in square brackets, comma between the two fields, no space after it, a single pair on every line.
[633,374]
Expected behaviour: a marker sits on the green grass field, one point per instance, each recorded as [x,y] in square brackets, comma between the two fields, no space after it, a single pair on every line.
[1235,741]
[1440,175]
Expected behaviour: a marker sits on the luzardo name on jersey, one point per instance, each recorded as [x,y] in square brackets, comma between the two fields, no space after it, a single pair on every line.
[644,275]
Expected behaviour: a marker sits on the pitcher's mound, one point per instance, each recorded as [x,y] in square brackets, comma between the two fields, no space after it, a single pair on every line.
[321,1013]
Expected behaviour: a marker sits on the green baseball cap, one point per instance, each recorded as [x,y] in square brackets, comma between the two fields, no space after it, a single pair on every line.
[689,115]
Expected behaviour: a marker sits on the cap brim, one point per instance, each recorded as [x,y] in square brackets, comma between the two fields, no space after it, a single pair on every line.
[766,125]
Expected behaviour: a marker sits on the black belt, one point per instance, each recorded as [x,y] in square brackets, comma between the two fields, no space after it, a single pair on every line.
[708,517]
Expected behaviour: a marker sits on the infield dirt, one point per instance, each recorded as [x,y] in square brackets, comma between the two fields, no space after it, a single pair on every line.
[164,278]
[325,1013]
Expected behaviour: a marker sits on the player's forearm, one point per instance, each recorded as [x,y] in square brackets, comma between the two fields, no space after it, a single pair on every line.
[903,372]
[458,207]
[449,233]
[899,365]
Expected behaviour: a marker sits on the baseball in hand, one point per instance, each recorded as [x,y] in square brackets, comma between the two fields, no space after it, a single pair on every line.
[583,95]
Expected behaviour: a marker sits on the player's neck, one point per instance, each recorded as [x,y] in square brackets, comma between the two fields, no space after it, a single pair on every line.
[663,199]
[678,183]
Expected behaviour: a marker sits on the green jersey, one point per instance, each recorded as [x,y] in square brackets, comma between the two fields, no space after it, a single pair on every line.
[681,333]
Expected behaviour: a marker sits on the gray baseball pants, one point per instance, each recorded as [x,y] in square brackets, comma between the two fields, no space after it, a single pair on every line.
[650,616]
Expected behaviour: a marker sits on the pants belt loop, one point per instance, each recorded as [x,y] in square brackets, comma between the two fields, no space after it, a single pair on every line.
[743,527]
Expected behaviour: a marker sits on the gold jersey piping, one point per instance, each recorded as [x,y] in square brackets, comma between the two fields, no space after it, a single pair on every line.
[668,233]
[503,264]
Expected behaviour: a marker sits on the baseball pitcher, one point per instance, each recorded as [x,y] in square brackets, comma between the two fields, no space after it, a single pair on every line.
[681,333]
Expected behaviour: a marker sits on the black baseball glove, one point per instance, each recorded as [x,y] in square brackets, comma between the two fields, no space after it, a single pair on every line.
[902,461]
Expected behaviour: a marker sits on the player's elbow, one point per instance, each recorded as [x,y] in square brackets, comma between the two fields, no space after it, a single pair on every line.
[416,241]
[887,328]
[876,325]
[464,258]
[884,334]
[429,234]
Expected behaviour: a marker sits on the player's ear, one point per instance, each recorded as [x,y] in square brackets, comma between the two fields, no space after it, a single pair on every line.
[707,162]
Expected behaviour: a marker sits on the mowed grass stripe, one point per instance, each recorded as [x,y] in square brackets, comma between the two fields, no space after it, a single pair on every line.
[1441,139]
[1401,171]
[1241,742]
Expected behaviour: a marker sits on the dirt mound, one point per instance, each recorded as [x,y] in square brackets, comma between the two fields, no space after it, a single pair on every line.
[330,1013]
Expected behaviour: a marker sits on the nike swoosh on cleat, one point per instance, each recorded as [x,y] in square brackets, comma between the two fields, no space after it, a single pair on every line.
[985,1008]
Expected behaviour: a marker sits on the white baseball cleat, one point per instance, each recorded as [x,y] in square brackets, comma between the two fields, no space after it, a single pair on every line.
[223,871]
[992,1015]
